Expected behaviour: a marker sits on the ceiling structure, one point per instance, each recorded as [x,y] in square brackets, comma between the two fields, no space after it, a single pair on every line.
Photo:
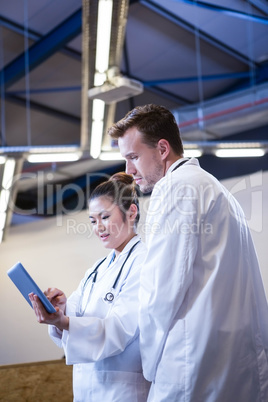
[207,61]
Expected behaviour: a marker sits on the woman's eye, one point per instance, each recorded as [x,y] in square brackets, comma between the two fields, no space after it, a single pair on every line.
[92,222]
[105,217]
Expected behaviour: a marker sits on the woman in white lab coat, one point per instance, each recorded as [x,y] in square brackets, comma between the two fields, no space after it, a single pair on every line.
[97,326]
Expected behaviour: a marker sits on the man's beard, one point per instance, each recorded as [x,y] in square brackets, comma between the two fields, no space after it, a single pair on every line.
[152,179]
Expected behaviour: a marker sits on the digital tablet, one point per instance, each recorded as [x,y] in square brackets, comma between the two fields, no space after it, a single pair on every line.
[25,283]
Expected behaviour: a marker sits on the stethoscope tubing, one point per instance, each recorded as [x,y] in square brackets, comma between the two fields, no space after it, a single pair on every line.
[109,297]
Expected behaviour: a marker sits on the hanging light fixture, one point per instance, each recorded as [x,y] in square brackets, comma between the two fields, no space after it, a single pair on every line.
[7,180]
[104,24]
[239,152]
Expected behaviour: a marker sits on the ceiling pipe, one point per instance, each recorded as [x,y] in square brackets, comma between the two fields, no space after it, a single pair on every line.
[224,112]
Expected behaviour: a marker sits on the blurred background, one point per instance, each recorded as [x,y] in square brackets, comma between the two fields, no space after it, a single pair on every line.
[68,70]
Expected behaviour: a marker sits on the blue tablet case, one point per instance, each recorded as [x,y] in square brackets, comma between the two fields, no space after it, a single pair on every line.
[25,283]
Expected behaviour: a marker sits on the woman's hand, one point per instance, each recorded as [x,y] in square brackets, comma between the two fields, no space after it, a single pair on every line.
[57,298]
[59,319]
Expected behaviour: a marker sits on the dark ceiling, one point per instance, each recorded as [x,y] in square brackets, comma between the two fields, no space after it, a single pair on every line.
[207,61]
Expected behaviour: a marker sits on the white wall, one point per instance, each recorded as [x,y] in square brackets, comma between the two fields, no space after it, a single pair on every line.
[252,193]
[57,251]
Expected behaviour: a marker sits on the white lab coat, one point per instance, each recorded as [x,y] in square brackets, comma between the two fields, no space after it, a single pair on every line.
[103,345]
[204,316]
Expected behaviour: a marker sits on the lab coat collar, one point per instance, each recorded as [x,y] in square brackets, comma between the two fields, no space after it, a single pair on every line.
[192,161]
[110,257]
[131,243]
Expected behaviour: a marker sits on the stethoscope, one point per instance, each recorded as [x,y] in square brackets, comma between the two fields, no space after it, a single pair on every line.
[180,164]
[109,297]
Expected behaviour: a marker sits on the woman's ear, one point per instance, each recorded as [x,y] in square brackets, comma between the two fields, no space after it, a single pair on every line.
[164,148]
[133,212]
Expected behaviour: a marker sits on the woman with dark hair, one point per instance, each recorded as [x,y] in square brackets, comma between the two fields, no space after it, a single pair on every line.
[97,326]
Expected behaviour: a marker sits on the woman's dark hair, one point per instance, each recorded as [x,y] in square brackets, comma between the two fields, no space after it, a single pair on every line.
[154,122]
[121,190]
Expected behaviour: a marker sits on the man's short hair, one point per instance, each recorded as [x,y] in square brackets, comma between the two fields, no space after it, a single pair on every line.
[154,122]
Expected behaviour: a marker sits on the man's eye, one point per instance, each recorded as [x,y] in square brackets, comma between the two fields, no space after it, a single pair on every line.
[133,157]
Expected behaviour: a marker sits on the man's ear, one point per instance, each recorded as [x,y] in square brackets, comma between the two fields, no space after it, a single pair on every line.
[164,148]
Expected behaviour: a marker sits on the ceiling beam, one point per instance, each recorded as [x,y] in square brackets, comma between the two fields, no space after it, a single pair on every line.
[211,77]
[43,49]
[192,29]
[43,109]
[257,76]
[160,91]
[169,95]
[259,4]
[227,11]
[33,35]
[17,28]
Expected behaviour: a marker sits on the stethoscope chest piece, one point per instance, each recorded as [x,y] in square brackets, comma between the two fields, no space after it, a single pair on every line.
[109,297]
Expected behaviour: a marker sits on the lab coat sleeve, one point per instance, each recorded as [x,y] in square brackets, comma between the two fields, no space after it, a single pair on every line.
[55,333]
[167,273]
[91,339]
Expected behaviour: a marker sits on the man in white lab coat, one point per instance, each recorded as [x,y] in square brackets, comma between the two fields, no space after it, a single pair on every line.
[204,314]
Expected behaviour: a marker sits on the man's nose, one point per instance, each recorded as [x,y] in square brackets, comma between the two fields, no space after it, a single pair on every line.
[130,168]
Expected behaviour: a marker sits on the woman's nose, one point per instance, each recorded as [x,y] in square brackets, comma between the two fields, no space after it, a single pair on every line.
[100,227]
